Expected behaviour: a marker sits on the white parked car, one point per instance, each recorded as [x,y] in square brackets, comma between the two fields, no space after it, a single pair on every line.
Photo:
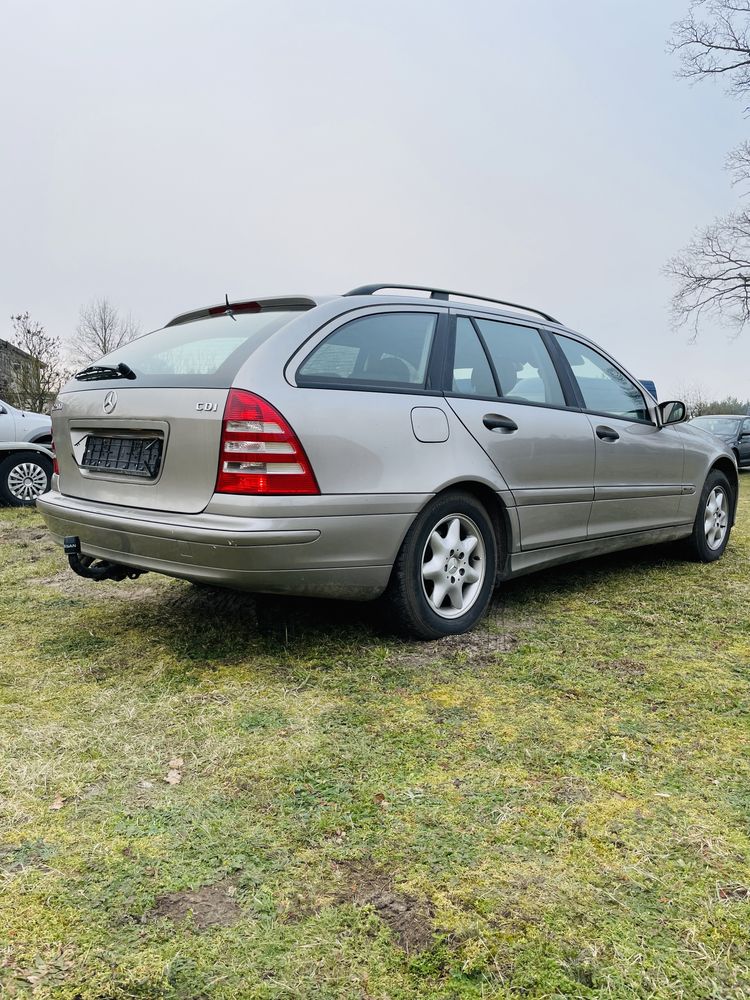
[25,455]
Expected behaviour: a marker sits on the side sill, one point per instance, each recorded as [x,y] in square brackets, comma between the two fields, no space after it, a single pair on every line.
[528,561]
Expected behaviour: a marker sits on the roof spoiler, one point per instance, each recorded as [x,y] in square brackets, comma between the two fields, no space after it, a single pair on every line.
[227,308]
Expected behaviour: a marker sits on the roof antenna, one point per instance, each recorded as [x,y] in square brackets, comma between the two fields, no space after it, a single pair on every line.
[228,310]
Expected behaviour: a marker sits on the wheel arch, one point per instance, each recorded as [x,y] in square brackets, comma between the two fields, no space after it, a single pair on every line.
[729,469]
[498,513]
[10,447]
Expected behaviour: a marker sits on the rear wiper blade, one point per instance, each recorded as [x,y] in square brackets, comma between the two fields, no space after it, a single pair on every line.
[97,373]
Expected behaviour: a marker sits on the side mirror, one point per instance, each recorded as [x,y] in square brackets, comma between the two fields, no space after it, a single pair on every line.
[672,412]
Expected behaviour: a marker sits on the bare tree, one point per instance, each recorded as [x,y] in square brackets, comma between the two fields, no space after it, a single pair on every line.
[694,398]
[101,329]
[713,272]
[738,164]
[713,40]
[38,380]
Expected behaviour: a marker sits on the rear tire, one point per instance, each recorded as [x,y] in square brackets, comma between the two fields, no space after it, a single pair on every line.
[24,476]
[713,522]
[444,574]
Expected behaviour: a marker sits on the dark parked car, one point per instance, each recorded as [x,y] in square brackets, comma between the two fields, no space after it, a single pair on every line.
[734,431]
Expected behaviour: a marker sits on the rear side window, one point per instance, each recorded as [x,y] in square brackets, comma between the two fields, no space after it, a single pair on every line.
[381,350]
[603,386]
[472,375]
[206,352]
[522,363]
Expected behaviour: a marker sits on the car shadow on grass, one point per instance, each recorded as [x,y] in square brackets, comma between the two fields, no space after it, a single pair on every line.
[202,623]
[203,627]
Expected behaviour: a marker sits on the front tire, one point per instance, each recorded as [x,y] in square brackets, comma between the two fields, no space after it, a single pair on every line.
[24,476]
[713,522]
[444,574]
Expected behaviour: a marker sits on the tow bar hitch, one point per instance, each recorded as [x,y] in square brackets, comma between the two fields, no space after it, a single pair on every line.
[95,569]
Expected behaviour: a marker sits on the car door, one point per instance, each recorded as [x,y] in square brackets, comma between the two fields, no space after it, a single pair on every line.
[744,443]
[639,464]
[7,423]
[506,391]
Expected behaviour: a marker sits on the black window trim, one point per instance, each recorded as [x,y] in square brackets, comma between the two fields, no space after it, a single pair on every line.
[431,386]
[439,373]
[569,388]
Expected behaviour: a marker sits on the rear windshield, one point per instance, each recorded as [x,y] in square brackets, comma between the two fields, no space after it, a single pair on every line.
[203,353]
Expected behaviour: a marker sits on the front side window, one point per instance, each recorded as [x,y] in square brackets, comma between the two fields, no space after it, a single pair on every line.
[603,386]
[746,427]
[380,350]
[522,363]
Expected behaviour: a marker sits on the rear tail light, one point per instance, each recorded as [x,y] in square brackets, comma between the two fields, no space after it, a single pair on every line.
[55,466]
[260,453]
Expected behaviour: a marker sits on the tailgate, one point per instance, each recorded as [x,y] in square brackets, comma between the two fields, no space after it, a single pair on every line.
[156,448]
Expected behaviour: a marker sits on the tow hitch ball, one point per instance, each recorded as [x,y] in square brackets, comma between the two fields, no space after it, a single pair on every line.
[95,569]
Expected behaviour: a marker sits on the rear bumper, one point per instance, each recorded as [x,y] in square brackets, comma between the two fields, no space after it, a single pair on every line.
[319,554]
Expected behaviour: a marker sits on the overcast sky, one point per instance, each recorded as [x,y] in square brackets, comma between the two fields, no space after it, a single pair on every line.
[162,153]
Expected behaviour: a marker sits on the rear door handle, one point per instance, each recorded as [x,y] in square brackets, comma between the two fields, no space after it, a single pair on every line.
[607,433]
[497,422]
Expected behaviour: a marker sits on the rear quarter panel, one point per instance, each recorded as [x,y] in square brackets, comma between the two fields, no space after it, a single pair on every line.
[361,441]
[364,442]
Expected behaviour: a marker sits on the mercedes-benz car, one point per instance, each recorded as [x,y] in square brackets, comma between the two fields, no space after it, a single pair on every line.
[733,429]
[399,442]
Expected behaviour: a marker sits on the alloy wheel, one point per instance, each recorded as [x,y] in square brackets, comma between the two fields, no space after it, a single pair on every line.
[716,518]
[453,566]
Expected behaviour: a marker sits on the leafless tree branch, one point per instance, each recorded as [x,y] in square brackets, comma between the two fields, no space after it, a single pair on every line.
[712,274]
[712,40]
[101,329]
[712,280]
[37,381]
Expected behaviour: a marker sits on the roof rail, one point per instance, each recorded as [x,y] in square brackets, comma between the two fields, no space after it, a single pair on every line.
[444,294]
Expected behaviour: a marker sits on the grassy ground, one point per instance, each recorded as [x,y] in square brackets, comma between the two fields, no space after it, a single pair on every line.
[556,806]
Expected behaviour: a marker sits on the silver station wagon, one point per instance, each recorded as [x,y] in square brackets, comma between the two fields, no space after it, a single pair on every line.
[413,444]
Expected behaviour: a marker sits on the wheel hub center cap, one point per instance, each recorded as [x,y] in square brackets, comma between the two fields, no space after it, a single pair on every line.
[452,564]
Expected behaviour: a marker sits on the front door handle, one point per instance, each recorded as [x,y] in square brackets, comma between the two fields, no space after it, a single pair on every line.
[497,422]
[605,433]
